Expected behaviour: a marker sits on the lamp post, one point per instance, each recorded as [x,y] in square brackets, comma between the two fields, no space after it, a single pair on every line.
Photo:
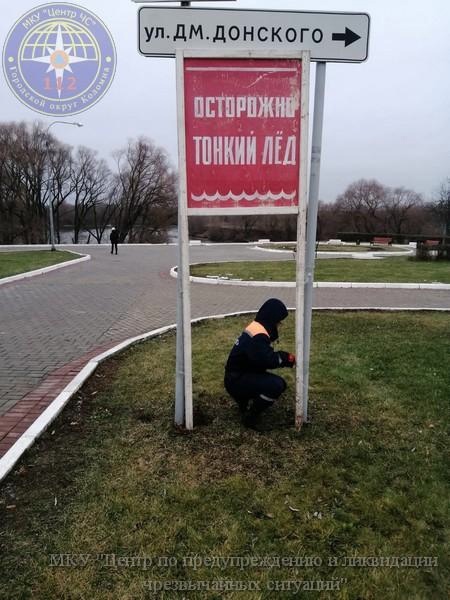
[47,146]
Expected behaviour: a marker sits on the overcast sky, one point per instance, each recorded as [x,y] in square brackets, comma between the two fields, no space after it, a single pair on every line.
[387,118]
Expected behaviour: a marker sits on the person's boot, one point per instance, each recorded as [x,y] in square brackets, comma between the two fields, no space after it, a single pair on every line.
[243,405]
[259,405]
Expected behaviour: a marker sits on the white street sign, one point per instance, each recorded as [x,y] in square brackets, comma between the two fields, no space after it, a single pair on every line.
[330,37]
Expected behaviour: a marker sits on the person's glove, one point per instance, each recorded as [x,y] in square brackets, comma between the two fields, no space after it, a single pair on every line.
[287,359]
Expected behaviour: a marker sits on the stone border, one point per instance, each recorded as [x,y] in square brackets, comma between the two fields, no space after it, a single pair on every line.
[124,245]
[67,263]
[28,437]
[375,255]
[370,255]
[216,280]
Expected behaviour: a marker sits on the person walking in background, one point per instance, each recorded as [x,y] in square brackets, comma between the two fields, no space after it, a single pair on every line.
[114,239]
[246,376]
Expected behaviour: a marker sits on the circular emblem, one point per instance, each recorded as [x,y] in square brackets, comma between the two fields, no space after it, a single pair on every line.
[59,59]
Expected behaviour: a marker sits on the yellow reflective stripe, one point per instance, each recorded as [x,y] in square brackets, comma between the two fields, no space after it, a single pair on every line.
[254,328]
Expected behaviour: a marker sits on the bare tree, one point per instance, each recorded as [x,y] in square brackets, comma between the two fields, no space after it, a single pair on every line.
[101,215]
[146,187]
[398,204]
[90,179]
[10,188]
[59,182]
[28,153]
[329,221]
[440,207]
[38,172]
[361,205]
[31,172]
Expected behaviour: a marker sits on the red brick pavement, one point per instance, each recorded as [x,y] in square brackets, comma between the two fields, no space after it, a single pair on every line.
[23,414]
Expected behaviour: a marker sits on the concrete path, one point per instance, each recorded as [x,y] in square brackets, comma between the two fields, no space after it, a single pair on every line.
[52,324]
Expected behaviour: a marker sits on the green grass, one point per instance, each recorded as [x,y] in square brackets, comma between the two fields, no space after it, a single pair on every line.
[13,263]
[393,270]
[368,477]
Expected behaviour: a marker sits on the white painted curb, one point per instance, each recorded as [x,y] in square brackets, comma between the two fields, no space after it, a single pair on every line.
[10,458]
[52,411]
[317,284]
[122,245]
[28,274]
[375,255]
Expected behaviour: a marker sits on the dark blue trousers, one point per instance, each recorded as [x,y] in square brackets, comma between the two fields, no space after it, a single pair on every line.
[244,386]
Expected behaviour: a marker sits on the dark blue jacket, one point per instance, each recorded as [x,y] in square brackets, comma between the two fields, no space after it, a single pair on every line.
[252,351]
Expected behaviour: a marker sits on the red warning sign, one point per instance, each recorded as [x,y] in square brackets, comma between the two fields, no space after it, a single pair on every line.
[242,134]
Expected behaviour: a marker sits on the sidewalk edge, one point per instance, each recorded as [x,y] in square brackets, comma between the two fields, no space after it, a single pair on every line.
[67,263]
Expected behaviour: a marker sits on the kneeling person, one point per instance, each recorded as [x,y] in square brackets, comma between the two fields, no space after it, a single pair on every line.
[246,376]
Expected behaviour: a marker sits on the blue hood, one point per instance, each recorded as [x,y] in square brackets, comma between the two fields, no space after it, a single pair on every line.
[270,314]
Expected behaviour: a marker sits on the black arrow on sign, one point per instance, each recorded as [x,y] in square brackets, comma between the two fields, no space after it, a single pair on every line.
[348,37]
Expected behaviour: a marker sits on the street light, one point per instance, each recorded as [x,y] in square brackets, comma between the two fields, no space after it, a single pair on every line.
[47,145]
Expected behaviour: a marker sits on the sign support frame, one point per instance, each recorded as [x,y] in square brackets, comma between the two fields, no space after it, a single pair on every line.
[184,360]
[301,242]
[311,227]
[184,341]
[179,368]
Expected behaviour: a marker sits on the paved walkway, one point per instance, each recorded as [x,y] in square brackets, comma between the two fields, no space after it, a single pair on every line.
[51,325]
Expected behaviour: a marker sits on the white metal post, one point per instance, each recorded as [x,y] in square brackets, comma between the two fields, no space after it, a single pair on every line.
[179,370]
[186,323]
[301,231]
[184,346]
[316,151]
